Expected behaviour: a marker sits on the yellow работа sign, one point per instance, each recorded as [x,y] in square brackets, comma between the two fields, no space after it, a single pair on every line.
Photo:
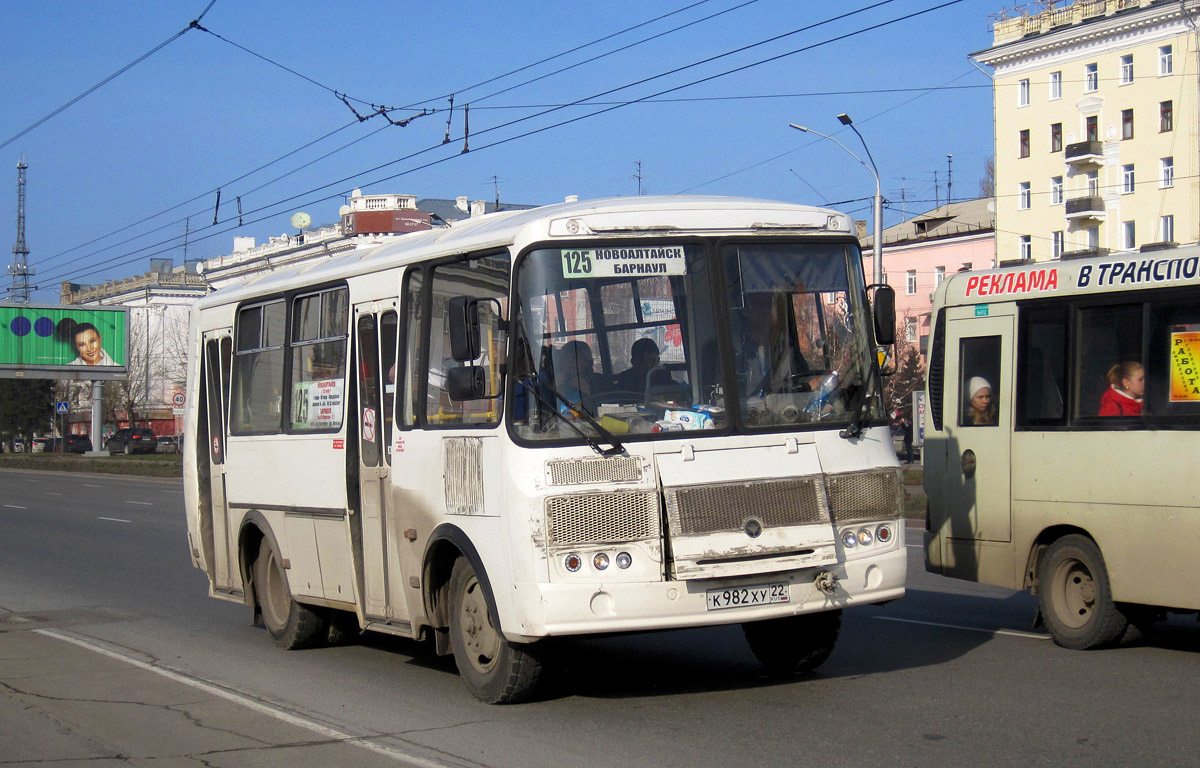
[1185,367]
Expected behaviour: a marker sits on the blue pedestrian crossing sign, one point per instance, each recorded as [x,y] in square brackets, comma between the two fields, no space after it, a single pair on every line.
[61,407]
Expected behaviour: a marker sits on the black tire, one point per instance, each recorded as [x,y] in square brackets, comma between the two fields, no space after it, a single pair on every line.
[291,625]
[1074,595]
[794,644]
[494,670]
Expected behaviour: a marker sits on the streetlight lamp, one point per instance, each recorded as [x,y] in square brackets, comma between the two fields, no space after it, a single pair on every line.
[877,240]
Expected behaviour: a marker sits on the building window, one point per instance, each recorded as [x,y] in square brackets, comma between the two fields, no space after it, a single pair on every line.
[1166,226]
[1127,69]
[1026,246]
[910,282]
[910,330]
[1127,182]
[1058,244]
[1130,235]
[1093,183]
[1166,116]
[1126,124]
[1165,65]
[1056,137]
[1023,140]
[1166,176]
[1056,85]
[1024,196]
[1023,93]
[1056,190]
[1091,78]
[1093,238]
[939,274]
[1092,130]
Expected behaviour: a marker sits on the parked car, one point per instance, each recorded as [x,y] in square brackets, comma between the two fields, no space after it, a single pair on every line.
[18,445]
[38,445]
[78,444]
[132,440]
[168,444]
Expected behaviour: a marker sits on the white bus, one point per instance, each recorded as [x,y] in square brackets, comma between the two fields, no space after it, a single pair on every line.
[1061,438]
[595,417]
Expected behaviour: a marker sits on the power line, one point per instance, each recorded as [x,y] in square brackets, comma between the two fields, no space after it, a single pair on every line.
[552,126]
[195,23]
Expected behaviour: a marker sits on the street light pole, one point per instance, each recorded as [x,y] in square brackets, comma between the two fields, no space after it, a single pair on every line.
[877,239]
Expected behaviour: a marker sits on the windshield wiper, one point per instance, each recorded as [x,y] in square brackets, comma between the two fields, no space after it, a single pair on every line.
[615,446]
[858,409]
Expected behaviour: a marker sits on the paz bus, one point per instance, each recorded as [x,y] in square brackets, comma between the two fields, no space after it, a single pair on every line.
[1077,480]
[593,417]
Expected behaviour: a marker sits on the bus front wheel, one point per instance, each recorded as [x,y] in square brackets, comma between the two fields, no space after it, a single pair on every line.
[291,625]
[794,644]
[1075,597]
[494,670]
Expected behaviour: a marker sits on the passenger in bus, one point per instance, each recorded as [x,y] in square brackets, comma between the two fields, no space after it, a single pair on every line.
[575,378]
[1126,386]
[643,361]
[981,406]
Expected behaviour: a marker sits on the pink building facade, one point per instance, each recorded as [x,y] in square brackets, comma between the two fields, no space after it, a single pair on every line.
[921,252]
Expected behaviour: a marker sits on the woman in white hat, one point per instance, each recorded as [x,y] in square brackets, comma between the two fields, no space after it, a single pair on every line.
[981,406]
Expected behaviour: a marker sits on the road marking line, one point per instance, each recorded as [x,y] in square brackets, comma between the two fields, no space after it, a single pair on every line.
[14,506]
[143,503]
[114,519]
[52,493]
[915,546]
[215,689]
[89,485]
[1009,632]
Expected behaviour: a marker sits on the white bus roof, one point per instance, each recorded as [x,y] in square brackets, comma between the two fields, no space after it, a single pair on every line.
[1102,274]
[622,216]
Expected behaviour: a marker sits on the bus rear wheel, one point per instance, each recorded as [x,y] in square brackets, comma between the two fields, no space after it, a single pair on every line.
[291,625]
[494,670]
[794,644]
[1075,597]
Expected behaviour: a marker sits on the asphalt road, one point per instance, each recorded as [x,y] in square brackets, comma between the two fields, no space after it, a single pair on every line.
[111,653]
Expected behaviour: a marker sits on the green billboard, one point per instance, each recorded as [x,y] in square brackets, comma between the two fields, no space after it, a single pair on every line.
[63,342]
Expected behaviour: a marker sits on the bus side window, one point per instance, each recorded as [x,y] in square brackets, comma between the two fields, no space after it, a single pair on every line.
[1172,376]
[979,375]
[1108,336]
[1042,367]
[408,373]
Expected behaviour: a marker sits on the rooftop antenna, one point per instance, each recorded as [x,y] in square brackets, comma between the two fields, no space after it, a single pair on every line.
[949,178]
[19,269]
[638,175]
[937,192]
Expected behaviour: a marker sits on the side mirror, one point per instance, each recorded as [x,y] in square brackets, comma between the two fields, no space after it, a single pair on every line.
[464,329]
[466,383]
[885,314]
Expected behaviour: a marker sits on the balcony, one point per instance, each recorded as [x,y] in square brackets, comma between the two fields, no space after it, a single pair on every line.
[1083,208]
[1082,154]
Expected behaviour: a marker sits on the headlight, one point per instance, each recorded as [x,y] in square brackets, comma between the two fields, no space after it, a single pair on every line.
[573,562]
[600,561]
[865,537]
[849,539]
[624,560]
[883,534]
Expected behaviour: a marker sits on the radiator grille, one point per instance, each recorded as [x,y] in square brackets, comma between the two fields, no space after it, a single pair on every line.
[700,509]
[873,495]
[585,471]
[602,518]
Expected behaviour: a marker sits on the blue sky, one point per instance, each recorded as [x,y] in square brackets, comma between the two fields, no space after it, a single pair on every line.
[200,112]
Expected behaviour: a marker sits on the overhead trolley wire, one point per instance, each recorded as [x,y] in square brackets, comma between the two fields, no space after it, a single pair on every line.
[556,125]
[195,24]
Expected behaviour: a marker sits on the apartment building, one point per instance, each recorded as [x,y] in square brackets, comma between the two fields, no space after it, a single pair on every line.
[1096,127]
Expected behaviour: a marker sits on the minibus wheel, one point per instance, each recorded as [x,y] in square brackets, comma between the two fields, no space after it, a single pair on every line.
[794,644]
[1075,597]
[495,670]
[291,625]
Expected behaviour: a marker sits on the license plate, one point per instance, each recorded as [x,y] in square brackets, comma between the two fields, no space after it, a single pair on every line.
[754,594]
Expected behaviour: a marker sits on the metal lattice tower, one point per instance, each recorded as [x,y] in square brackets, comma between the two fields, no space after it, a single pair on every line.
[19,269]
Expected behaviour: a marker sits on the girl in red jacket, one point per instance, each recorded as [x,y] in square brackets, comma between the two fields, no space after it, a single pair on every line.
[1127,384]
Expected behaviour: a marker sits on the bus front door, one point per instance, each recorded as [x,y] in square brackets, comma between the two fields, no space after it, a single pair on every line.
[218,356]
[377,547]
[978,412]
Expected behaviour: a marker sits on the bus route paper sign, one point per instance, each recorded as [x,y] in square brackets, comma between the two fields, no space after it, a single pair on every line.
[1185,366]
[619,262]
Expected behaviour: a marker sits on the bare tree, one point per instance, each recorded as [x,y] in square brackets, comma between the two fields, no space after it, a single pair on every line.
[987,183]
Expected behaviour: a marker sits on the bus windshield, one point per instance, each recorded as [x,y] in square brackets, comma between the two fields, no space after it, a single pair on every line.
[632,338]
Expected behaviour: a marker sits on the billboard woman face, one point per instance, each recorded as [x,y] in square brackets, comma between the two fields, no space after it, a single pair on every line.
[87,344]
